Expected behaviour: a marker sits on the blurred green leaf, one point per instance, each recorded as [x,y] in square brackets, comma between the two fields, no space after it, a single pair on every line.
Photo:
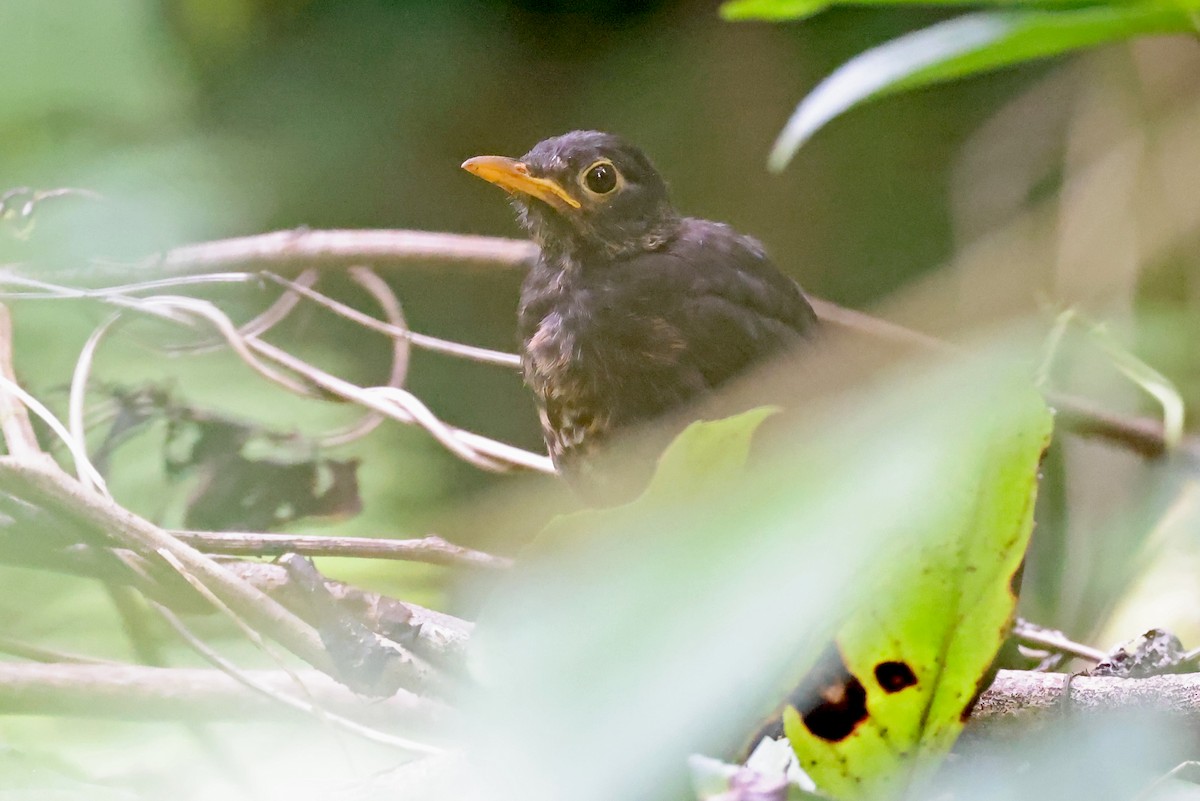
[912,656]
[969,45]
[672,625]
[707,453]
[772,9]
[703,456]
[776,10]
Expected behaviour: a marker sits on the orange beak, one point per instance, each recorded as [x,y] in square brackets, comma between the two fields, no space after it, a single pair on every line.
[513,176]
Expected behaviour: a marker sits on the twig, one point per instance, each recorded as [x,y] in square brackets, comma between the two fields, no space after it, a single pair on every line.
[117,293]
[401,354]
[53,492]
[37,653]
[278,311]
[401,405]
[436,636]
[208,312]
[434,344]
[431,550]
[1038,637]
[343,248]
[1141,435]
[875,327]
[281,697]
[1192,658]
[138,693]
[89,477]
[19,437]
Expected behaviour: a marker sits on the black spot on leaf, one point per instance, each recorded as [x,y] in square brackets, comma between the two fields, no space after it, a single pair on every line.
[831,701]
[894,676]
[1014,581]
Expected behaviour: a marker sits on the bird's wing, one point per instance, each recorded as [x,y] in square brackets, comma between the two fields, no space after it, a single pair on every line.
[716,292]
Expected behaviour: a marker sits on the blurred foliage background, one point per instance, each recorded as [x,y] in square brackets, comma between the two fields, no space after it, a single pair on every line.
[1068,182]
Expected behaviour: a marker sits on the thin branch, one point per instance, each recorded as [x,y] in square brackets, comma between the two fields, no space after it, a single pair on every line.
[204,310]
[278,311]
[38,653]
[52,491]
[18,432]
[117,293]
[89,477]
[434,344]
[302,247]
[1192,658]
[1142,435]
[401,354]
[436,636]
[282,698]
[431,550]
[875,327]
[138,693]
[405,407]
[1048,639]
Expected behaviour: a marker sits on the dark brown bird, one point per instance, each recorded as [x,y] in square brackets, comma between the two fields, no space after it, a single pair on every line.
[631,310]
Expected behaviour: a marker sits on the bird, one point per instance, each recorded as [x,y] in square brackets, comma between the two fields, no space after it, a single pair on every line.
[631,310]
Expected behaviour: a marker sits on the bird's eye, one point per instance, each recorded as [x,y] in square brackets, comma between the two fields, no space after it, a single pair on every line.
[601,177]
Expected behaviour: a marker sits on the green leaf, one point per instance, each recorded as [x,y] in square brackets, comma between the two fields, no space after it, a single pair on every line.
[772,10]
[779,10]
[911,657]
[703,457]
[969,45]
[671,626]
[706,452]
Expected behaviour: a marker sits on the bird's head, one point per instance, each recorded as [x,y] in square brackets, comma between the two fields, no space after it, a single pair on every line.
[584,191]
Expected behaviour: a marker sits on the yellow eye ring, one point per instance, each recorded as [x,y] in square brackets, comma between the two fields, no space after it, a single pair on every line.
[600,178]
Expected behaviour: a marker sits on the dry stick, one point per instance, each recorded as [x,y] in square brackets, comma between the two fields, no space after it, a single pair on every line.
[437,636]
[864,323]
[391,401]
[274,314]
[278,311]
[344,248]
[394,402]
[1192,658]
[281,697]
[1037,637]
[14,417]
[37,653]
[401,353]
[470,352]
[1143,436]
[55,491]
[481,451]
[137,692]
[431,549]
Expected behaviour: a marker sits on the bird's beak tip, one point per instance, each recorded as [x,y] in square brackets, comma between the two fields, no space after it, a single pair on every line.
[513,176]
[472,164]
